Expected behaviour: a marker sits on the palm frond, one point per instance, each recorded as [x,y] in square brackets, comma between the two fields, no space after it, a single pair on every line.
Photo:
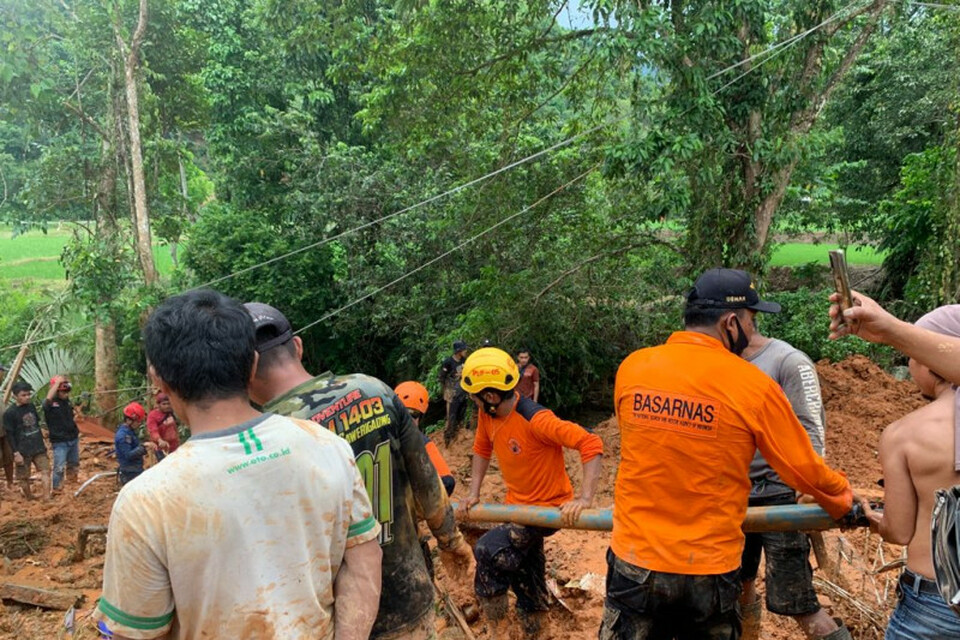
[52,361]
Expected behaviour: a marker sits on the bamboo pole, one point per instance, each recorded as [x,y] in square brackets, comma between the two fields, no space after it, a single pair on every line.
[799,517]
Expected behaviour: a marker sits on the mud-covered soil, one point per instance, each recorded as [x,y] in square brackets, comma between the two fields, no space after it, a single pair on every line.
[860,398]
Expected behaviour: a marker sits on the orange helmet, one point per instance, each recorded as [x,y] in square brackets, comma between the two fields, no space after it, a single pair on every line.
[414,395]
[134,411]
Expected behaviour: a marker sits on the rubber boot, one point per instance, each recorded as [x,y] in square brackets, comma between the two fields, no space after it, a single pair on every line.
[842,633]
[532,623]
[495,610]
[25,487]
[752,618]
[73,475]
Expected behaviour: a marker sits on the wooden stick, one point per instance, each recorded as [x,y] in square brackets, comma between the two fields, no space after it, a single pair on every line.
[454,611]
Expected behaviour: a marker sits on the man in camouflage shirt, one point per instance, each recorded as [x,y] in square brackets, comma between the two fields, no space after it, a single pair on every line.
[391,457]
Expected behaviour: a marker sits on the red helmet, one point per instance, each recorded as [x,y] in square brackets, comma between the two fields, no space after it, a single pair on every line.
[414,395]
[134,411]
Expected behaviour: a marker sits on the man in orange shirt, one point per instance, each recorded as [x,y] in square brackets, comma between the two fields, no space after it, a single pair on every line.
[691,415]
[528,440]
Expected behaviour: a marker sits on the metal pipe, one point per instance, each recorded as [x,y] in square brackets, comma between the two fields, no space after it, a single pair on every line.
[799,517]
[86,484]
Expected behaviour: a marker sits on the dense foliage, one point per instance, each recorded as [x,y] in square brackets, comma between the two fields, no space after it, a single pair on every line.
[639,142]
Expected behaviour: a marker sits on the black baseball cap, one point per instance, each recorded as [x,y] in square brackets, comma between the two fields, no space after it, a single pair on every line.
[460,345]
[264,316]
[727,289]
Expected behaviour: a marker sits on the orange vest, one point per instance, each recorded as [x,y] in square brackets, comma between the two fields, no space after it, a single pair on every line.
[691,415]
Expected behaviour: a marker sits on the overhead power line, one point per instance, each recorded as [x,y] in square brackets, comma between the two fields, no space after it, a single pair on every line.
[761,56]
[448,252]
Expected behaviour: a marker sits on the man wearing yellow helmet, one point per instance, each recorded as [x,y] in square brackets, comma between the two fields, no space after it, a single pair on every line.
[528,440]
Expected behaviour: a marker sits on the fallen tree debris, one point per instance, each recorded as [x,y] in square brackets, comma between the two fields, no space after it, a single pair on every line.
[37,597]
[85,532]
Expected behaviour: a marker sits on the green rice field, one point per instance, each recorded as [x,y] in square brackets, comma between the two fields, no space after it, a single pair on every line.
[36,255]
[794,254]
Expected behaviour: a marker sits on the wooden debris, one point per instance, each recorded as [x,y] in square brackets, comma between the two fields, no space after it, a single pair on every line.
[37,597]
[825,563]
[85,532]
[454,611]
[21,538]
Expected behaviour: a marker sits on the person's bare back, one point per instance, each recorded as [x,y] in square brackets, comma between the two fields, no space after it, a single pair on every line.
[916,453]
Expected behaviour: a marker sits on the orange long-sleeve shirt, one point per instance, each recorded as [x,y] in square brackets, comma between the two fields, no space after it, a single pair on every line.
[691,416]
[529,446]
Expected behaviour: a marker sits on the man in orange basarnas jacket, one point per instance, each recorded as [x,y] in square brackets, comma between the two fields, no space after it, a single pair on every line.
[691,415]
[528,440]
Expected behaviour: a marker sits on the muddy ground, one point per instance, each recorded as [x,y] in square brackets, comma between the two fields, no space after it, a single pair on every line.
[860,398]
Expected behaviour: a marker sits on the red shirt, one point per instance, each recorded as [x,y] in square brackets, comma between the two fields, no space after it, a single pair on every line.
[529,377]
[163,426]
[529,446]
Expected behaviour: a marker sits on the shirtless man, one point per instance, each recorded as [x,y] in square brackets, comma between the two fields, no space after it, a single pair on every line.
[917,460]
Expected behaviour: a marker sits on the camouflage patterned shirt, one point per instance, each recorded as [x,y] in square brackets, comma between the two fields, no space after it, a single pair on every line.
[399,477]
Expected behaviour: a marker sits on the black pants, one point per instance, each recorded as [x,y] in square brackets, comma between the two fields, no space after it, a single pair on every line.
[127,476]
[642,604]
[788,575]
[456,413]
[511,557]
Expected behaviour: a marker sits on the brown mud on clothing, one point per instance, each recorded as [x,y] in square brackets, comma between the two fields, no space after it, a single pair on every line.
[860,401]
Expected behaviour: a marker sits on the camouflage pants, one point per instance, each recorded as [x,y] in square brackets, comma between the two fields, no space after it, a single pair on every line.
[511,557]
[651,605]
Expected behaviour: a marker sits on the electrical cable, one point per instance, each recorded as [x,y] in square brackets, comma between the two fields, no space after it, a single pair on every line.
[770,51]
[448,252]
[777,46]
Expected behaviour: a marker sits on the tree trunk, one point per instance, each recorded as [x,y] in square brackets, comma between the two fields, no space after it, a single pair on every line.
[141,214]
[105,368]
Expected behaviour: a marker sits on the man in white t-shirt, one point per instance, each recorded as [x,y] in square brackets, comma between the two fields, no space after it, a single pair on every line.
[259,526]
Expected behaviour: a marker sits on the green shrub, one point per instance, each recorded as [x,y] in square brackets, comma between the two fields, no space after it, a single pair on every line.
[804,323]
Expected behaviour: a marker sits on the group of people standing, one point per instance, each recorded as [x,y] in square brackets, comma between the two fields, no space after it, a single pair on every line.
[22,432]
[163,436]
[302,521]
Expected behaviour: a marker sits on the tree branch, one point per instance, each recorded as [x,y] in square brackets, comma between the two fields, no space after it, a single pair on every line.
[570,35]
[840,24]
[852,53]
[553,20]
[562,88]
[90,121]
[645,242]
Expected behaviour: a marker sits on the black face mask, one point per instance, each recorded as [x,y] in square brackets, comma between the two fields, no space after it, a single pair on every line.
[492,408]
[737,346]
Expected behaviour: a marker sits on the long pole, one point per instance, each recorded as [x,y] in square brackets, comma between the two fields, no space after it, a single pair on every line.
[800,517]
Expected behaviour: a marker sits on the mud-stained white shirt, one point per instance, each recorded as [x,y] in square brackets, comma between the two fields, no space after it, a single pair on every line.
[237,534]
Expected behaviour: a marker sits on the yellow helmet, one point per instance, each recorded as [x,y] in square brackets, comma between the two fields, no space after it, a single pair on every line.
[489,368]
